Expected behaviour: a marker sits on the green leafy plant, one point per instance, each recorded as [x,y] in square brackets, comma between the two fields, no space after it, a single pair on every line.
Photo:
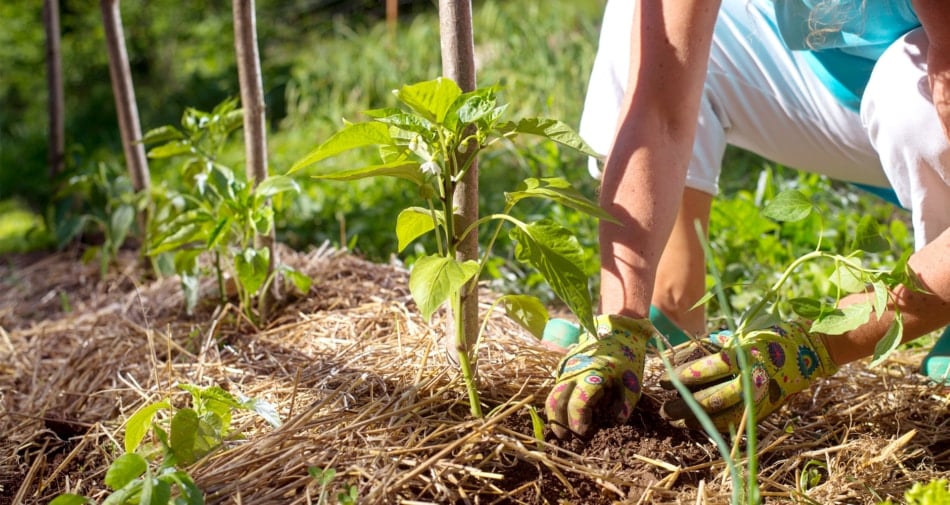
[98,199]
[217,214]
[433,145]
[934,492]
[324,476]
[187,435]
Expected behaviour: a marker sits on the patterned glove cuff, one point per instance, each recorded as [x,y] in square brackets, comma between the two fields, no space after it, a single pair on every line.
[818,343]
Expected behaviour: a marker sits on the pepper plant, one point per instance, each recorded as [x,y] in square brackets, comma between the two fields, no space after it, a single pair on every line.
[216,214]
[428,143]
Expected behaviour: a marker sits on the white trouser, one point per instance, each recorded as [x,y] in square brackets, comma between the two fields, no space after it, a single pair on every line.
[764,98]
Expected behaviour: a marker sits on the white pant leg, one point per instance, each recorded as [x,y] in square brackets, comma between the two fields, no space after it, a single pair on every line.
[758,96]
[902,124]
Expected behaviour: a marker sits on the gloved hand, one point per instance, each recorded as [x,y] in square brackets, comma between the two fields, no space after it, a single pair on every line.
[602,371]
[785,359]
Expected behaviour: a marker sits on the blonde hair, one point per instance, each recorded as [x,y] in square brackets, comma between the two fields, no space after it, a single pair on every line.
[827,17]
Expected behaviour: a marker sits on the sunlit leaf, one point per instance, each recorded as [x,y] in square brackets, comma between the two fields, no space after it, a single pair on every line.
[434,278]
[125,469]
[555,252]
[251,267]
[845,319]
[402,169]
[560,191]
[139,423]
[350,137]
[790,205]
[276,184]
[890,341]
[527,311]
[170,149]
[430,99]
[847,278]
[551,129]
[868,236]
[412,223]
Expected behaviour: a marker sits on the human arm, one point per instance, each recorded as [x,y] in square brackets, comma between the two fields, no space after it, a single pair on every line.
[921,312]
[645,171]
[934,15]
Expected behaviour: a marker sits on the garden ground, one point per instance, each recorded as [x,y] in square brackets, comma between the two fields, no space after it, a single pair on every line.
[362,386]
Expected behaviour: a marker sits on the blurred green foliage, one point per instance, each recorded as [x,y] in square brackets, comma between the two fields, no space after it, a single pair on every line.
[325,61]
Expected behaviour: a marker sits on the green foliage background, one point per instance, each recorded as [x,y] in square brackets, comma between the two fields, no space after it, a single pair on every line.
[325,61]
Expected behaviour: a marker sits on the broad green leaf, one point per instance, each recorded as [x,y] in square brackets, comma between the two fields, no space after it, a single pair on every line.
[560,191]
[550,129]
[126,494]
[412,223]
[125,469]
[139,423]
[890,341]
[474,107]
[434,278]
[402,169]
[161,493]
[218,234]
[251,266]
[881,295]
[868,236]
[190,493]
[162,134]
[809,308]
[70,499]
[847,278]
[409,123]
[789,205]
[300,280]
[838,321]
[183,435]
[527,311]
[351,136]
[120,223]
[753,319]
[430,99]
[276,184]
[555,252]
[170,149]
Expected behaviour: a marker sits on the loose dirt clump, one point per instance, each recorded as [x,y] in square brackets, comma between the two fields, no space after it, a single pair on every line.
[362,385]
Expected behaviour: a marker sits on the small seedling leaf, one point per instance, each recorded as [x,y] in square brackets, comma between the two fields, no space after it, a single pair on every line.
[560,191]
[70,499]
[434,278]
[190,493]
[527,311]
[139,423]
[789,205]
[251,267]
[183,436]
[125,469]
[414,222]
[300,280]
[838,321]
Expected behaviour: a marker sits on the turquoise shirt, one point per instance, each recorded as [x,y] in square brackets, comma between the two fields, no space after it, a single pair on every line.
[844,38]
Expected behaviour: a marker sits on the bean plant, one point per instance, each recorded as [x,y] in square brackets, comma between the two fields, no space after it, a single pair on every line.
[217,214]
[431,142]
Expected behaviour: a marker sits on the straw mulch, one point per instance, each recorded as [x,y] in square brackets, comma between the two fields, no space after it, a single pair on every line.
[363,386]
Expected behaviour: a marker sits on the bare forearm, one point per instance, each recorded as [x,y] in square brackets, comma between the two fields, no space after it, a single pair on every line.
[921,312]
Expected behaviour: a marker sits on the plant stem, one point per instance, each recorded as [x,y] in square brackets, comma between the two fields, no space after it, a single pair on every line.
[468,371]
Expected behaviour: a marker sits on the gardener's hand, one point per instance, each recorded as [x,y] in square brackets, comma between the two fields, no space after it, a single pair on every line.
[784,360]
[602,372]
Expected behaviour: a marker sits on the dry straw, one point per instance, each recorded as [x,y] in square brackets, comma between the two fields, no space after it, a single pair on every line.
[363,387]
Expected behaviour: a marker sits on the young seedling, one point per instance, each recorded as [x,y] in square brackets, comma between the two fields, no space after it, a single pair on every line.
[431,145]
[217,213]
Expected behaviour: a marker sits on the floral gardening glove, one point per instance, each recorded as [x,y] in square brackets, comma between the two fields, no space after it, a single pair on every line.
[602,371]
[785,359]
